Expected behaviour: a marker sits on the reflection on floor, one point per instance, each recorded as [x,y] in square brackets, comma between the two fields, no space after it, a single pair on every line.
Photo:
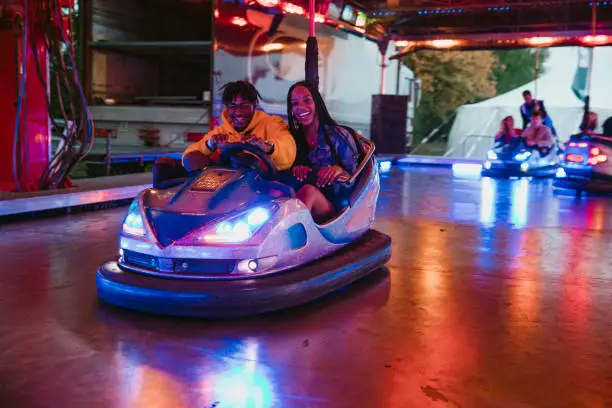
[498,295]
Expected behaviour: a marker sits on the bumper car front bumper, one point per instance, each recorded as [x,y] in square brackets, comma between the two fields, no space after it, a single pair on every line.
[507,169]
[243,297]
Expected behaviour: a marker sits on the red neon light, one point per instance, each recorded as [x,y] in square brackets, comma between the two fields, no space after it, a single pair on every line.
[291,8]
[595,39]
[268,3]
[596,156]
[593,161]
[239,21]
[216,13]
[573,158]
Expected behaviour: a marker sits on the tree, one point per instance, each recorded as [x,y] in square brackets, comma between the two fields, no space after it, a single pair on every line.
[449,80]
[516,68]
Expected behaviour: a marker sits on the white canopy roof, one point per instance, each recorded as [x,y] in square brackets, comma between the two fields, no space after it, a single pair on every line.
[476,124]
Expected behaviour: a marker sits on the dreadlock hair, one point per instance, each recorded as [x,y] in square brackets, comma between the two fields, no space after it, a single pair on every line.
[245,89]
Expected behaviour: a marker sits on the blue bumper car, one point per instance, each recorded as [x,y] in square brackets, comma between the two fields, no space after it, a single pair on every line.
[507,161]
[233,241]
[586,166]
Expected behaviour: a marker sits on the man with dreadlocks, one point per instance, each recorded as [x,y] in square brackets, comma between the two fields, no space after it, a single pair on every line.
[242,122]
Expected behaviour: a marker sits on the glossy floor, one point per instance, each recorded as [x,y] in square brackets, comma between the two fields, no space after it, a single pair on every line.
[498,294]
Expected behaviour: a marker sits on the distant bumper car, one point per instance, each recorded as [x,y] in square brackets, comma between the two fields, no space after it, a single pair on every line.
[520,161]
[232,241]
[585,166]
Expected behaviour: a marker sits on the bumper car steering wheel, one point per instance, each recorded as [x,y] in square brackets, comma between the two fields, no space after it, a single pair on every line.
[245,155]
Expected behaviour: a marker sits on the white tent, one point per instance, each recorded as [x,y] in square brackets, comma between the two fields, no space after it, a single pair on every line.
[476,124]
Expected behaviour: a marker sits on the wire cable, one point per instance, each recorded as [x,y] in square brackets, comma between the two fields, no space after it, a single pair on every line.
[17,164]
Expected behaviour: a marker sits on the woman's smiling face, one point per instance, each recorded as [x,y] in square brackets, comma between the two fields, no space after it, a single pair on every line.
[303,106]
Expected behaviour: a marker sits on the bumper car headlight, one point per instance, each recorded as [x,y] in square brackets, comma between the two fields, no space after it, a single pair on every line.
[134,223]
[491,155]
[238,229]
[522,156]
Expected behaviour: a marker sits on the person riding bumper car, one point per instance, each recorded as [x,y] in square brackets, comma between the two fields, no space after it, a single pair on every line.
[233,241]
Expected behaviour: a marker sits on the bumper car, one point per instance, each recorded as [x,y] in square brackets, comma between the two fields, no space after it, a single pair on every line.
[233,241]
[520,161]
[585,166]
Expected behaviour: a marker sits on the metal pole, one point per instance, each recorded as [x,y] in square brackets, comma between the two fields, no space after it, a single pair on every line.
[382,76]
[108,151]
[85,38]
[397,81]
[211,68]
[591,51]
[537,71]
[587,98]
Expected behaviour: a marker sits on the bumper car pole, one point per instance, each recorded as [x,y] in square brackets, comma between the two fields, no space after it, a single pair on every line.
[587,98]
[312,49]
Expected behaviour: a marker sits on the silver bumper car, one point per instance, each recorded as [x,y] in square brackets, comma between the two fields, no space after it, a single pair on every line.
[232,241]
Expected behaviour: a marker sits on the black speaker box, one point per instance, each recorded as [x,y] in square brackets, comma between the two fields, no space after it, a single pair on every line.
[388,123]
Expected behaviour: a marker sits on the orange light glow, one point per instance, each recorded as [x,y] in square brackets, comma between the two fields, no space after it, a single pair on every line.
[535,41]
[272,47]
[444,43]
[291,8]
[595,39]
[402,44]
[239,21]
[319,18]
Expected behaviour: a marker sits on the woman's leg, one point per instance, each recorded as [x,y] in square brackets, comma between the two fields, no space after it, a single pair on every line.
[319,206]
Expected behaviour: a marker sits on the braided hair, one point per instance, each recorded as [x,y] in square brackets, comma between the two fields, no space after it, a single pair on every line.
[325,118]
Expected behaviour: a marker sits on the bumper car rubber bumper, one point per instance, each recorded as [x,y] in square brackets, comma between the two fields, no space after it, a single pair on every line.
[514,170]
[243,297]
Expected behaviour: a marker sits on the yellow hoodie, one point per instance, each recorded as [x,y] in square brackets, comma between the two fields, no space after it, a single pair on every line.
[269,128]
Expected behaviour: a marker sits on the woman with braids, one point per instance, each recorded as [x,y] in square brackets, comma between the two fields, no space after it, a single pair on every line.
[325,152]
[242,122]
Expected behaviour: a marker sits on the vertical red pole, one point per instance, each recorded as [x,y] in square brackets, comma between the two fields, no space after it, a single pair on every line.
[34,139]
[311,17]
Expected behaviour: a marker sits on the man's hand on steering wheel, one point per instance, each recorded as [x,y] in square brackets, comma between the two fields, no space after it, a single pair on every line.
[242,155]
[218,141]
[254,140]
